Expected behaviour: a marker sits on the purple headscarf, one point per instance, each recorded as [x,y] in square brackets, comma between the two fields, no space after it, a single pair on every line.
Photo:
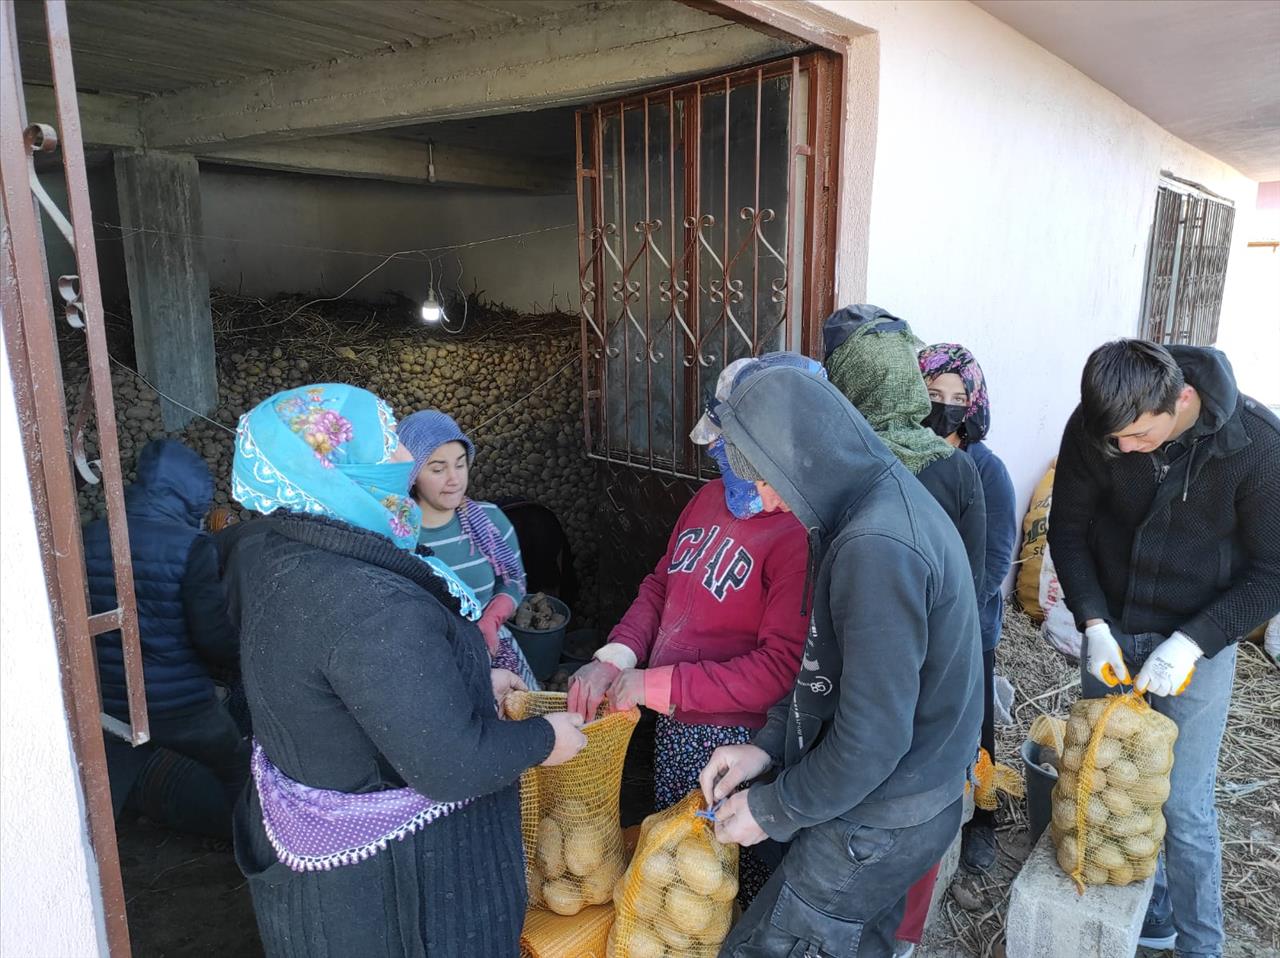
[942,358]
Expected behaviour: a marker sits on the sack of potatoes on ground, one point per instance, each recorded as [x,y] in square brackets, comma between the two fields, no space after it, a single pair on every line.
[1108,823]
[569,814]
[677,896]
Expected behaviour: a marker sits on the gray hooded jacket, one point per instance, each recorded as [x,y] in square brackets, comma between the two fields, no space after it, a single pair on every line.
[882,725]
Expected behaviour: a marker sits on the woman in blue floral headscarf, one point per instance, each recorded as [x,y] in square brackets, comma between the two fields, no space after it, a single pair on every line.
[384,815]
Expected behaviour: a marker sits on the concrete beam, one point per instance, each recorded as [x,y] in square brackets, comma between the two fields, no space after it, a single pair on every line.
[563,60]
[160,216]
[400,161]
[105,119]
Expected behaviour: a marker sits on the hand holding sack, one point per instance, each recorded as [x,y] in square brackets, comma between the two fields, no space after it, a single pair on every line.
[569,814]
[1107,821]
[677,896]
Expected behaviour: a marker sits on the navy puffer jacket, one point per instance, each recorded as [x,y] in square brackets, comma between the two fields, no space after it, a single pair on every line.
[181,605]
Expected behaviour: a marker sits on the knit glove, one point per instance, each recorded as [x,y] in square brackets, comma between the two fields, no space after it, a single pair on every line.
[1168,669]
[588,688]
[499,609]
[1104,659]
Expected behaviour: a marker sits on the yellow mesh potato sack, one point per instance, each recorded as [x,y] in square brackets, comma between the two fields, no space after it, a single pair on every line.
[677,896]
[569,814]
[1035,533]
[992,778]
[1107,821]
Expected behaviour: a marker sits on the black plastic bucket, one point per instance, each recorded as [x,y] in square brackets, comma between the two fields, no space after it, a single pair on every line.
[542,647]
[1040,782]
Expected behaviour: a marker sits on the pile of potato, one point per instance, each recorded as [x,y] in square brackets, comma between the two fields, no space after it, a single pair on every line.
[579,859]
[1125,788]
[676,898]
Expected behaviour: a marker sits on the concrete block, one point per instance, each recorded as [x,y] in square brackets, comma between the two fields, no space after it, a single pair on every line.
[1048,918]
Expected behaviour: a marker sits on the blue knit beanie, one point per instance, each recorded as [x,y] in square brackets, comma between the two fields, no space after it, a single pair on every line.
[426,431]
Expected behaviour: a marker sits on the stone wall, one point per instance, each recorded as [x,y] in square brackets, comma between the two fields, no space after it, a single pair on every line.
[518,395]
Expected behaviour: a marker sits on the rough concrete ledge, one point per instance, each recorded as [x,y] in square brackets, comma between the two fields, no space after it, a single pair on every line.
[1048,918]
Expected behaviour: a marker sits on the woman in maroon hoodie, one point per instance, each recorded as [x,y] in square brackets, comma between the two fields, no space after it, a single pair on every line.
[714,637]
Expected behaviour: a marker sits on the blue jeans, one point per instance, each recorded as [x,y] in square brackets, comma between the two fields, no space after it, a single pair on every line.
[1189,877]
[841,890]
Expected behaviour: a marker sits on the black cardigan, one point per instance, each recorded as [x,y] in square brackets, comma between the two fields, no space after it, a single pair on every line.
[1162,542]
[359,678]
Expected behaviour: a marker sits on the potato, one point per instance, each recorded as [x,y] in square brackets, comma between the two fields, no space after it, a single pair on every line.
[1068,853]
[1106,753]
[1073,758]
[727,890]
[1140,846]
[1122,773]
[1135,823]
[1095,875]
[658,870]
[1144,869]
[1077,731]
[1064,813]
[550,854]
[1157,827]
[676,939]
[1068,782]
[646,825]
[597,888]
[1095,812]
[1150,791]
[644,943]
[583,851]
[562,897]
[1156,760]
[1120,876]
[691,911]
[1093,709]
[698,865]
[648,903]
[1117,802]
[1122,723]
[1096,780]
[721,920]
[1107,855]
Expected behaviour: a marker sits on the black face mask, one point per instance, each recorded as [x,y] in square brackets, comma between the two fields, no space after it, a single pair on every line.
[944,419]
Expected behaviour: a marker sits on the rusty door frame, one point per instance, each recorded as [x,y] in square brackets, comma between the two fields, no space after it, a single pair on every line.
[31,345]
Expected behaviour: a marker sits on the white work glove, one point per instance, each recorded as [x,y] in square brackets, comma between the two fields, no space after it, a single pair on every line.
[1103,657]
[1168,669]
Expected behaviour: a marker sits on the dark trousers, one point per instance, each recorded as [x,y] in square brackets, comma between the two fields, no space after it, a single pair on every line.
[841,890]
[188,776]
[987,739]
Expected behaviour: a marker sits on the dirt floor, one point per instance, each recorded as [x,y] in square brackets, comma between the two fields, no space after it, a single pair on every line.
[186,898]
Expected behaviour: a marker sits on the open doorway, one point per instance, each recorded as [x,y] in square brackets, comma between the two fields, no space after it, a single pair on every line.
[502,219]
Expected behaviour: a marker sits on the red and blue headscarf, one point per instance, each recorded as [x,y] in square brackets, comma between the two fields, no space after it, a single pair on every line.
[942,358]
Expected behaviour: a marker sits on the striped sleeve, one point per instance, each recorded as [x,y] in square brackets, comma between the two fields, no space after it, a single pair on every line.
[503,586]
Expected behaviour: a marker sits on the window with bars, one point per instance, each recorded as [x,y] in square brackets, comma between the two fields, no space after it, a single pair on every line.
[706,215]
[1186,267]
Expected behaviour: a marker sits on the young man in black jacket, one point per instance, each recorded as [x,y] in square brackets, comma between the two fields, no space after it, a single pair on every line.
[869,752]
[1166,537]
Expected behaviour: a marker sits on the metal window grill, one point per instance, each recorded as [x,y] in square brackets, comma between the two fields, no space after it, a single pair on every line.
[48,443]
[1186,268]
[705,218]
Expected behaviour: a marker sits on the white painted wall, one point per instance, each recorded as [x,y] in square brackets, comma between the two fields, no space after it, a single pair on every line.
[49,899]
[1011,206]
[269,218]
[1251,335]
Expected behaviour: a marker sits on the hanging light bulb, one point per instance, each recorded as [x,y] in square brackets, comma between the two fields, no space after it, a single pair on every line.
[431,309]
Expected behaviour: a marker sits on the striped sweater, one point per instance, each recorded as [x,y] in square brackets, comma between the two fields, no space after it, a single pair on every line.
[464,557]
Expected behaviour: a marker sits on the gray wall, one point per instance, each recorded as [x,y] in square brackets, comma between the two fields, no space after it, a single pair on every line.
[258,225]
